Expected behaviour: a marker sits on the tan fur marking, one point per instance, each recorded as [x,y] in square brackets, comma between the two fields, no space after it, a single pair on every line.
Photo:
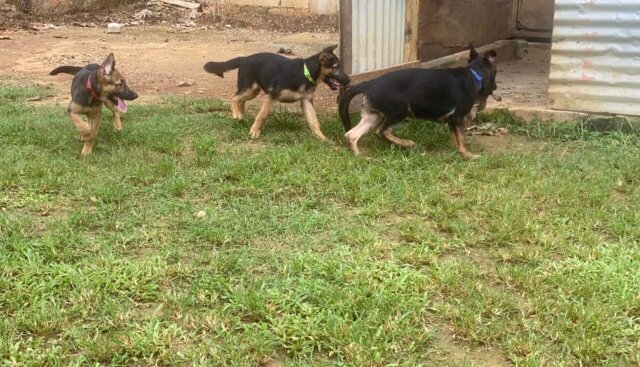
[95,118]
[260,119]
[83,127]
[117,122]
[238,101]
[324,72]
[458,138]
[387,134]
[108,83]
[312,118]
[369,120]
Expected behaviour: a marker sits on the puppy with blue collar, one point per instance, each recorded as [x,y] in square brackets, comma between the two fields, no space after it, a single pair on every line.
[447,95]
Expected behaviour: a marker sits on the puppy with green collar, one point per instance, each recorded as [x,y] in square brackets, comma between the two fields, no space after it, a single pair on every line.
[283,80]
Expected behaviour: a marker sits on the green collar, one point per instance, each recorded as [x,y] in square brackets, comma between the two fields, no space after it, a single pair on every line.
[307,74]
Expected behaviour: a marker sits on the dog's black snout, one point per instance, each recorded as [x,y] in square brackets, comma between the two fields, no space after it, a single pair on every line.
[128,95]
[344,79]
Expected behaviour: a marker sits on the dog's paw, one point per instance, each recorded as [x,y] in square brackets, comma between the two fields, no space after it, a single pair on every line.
[117,128]
[255,134]
[86,151]
[409,144]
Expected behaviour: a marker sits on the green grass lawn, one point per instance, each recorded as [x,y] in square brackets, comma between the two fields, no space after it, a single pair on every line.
[308,255]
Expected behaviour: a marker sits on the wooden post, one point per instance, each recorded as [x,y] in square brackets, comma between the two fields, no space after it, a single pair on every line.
[346,35]
[411,31]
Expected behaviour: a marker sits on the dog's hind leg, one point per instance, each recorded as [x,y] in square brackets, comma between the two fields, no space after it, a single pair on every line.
[238,101]
[312,118]
[95,118]
[455,127]
[247,89]
[117,122]
[385,131]
[262,116]
[247,97]
[369,120]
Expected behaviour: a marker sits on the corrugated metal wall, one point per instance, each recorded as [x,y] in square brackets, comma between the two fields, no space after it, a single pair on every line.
[378,28]
[595,57]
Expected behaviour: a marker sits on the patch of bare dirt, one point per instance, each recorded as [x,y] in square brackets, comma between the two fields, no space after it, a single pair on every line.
[504,143]
[160,47]
[229,16]
[457,353]
[154,59]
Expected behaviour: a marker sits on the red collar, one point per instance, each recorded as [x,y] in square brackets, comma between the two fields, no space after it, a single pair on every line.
[90,88]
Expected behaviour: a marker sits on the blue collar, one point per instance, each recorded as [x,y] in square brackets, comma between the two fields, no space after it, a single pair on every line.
[478,78]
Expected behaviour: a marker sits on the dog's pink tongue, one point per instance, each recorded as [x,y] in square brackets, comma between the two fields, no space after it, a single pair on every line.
[122,106]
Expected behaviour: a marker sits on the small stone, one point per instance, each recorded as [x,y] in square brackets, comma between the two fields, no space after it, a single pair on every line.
[201,214]
[114,28]
[184,83]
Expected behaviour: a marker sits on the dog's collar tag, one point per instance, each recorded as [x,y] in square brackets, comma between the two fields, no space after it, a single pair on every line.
[307,74]
[478,77]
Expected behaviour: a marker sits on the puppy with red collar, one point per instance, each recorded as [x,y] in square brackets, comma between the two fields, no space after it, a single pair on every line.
[92,87]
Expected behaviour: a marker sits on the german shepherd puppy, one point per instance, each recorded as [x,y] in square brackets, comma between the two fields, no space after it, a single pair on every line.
[434,94]
[93,86]
[282,79]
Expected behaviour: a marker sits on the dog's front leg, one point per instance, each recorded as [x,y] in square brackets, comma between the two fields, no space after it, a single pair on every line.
[262,116]
[83,127]
[117,123]
[95,118]
[75,115]
[455,128]
[311,117]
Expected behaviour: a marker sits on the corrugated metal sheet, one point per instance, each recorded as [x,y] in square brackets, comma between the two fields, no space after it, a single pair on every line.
[378,28]
[595,56]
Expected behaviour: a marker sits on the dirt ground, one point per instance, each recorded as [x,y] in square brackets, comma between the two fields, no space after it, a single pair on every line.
[155,59]
[523,81]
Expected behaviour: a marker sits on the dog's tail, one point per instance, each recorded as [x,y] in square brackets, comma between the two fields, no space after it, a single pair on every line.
[345,100]
[219,68]
[73,70]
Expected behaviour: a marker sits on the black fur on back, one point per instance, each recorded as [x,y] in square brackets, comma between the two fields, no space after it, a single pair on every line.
[272,72]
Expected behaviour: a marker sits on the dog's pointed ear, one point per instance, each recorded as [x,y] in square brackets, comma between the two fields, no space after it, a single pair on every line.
[330,49]
[109,64]
[327,54]
[491,56]
[473,54]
